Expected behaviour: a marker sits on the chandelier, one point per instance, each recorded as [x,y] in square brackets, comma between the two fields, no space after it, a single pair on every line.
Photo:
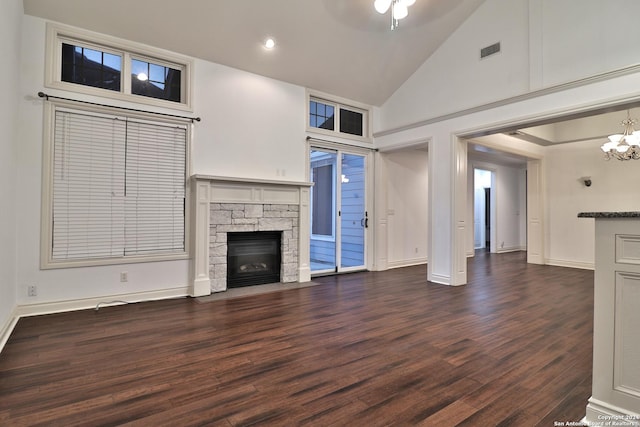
[625,146]
[399,9]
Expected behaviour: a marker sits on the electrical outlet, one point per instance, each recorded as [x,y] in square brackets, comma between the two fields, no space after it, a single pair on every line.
[32,290]
[124,277]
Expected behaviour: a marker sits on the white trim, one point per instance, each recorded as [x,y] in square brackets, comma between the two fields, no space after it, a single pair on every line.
[511,249]
[8,328]
[406,262]
[571,264]
[601,413]
[369,172]
[104,301]
[337,103]
[440,279]
[56,33]
[633,69]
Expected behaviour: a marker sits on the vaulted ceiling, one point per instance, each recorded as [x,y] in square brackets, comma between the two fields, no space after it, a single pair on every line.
[342,47]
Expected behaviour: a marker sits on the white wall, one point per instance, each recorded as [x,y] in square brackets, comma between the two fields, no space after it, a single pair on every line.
[10,19]
[570,240]
[543,43]
[455,78]
[407,206]
[251,126]
[582,38]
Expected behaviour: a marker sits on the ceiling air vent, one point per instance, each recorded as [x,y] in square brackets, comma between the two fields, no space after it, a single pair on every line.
[489,50]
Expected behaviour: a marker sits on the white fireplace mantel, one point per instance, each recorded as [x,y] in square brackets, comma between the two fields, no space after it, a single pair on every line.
[208,189]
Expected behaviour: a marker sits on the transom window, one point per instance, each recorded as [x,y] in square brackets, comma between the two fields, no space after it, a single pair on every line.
[91,67]
[335,118]
[95,64]
[155,80]
[351,122]
[321,115]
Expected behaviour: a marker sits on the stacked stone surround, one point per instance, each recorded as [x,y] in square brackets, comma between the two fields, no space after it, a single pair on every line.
[238,217]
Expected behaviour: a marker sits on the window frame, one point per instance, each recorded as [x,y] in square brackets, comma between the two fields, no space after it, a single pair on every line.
[326,237]
[46,223]
[338,104]
[58,34]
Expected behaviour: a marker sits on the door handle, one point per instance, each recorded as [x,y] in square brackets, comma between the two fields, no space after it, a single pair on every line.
[364,222]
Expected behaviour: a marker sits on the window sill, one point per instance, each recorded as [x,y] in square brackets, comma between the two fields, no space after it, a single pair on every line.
[52,265]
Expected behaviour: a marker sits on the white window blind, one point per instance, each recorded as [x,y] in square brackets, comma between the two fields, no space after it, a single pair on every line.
[155,189]
[118,187]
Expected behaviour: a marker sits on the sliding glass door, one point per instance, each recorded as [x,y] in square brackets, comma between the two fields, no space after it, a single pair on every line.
[338,211]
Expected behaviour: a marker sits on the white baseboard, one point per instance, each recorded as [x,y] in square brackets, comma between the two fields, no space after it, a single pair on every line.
[406,262]
[83,304]
[440,279]
[570,264]
[7,328]
[601,413]
[510,249]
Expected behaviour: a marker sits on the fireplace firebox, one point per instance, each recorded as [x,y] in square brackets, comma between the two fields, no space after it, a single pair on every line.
[253,258]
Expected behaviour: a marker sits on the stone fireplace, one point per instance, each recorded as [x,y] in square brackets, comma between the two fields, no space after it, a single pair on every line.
[222,205]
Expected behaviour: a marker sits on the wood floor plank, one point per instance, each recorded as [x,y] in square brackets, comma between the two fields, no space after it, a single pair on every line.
[512,347]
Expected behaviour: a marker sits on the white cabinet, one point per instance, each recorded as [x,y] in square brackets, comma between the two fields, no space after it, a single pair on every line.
[616,333]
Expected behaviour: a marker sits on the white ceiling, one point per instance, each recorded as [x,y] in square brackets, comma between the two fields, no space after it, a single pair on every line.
[341,47]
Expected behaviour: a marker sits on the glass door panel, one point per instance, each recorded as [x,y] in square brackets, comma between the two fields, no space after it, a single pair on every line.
[323,171]
[353,214]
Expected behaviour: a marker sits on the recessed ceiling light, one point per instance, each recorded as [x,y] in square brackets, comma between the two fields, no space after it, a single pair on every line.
[269,43]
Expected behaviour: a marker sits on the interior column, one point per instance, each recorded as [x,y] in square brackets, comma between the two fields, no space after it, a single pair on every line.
[447,210]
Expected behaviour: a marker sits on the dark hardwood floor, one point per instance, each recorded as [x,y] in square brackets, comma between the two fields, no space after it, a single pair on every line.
[511,348]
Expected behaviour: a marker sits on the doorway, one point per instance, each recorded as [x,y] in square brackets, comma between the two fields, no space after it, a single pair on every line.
[483,208]
[339,216]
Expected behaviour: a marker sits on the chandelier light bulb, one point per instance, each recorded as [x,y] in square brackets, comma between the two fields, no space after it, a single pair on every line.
[400,10]
[382,6]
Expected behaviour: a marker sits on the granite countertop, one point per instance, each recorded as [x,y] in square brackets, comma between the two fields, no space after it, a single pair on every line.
[631,214]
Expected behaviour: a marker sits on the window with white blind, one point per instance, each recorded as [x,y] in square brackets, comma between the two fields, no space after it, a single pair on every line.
[117,189]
